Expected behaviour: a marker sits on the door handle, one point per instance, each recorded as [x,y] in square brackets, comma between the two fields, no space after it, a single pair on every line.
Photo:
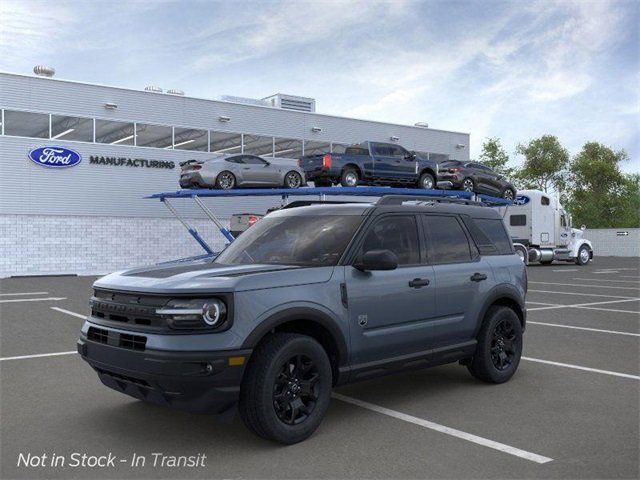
[418,282]
[478,277]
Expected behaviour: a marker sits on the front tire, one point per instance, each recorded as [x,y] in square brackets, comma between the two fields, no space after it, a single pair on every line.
[286,389]
[225,180]
[427,182]
[584,255]
[292,180]
[508,194]
[499,346]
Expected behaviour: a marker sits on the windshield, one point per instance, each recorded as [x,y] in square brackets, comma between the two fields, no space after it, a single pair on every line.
[313,241]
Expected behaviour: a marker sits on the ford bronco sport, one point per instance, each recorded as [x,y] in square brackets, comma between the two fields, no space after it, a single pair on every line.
[310,298]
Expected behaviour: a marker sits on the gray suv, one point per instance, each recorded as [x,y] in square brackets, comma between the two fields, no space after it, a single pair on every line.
[310,298]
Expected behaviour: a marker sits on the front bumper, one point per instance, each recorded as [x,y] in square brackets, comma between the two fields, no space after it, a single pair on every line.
[196,382]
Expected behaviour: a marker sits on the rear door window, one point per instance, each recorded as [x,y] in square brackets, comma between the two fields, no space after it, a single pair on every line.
[448,242]
[397,233]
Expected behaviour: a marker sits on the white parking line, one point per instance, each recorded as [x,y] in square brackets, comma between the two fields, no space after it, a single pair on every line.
[485,442]
[54,299]
[566,270]
[39,355]
[584,305]
[629,276]
[606,280]
[23,293]
[578,367]
[584,328]
[582,294]
[588,286]
[606,272]
[74,314]
[540,303]
[609,310]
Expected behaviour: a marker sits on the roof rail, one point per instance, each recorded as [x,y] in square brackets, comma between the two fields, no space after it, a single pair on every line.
[307,203]
[399,199]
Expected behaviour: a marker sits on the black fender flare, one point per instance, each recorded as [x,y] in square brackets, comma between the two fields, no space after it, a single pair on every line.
[499,292]
[356,166]
[300,313]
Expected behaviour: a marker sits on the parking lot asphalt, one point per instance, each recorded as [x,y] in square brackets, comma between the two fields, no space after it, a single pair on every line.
[571,411]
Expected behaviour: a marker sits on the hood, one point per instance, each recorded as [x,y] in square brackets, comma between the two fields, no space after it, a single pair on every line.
[576,233]
[205,276]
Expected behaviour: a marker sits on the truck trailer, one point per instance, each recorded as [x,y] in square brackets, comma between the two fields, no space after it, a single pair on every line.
[541,230]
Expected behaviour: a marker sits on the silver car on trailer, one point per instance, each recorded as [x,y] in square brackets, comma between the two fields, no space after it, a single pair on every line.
[241,170]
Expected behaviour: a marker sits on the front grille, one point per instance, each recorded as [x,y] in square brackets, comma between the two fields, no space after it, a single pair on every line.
[98,335]
[133,342]
[116,339]
[126,378]
[129,309]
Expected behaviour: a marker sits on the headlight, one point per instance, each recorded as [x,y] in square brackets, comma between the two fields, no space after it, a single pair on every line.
[194,313]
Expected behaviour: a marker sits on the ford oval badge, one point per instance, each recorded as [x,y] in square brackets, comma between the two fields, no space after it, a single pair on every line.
[521,200]
[55,157]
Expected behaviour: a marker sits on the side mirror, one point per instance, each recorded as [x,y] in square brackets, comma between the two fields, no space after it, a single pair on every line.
[377,260]
[583,228]
[410,156]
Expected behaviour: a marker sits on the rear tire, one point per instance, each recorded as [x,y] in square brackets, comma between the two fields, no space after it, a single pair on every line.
[349,177]
[468,185]
[509,194]
[286,389]
[499,346]
[225,180]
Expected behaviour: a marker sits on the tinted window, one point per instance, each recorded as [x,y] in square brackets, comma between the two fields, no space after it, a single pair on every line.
[517,220]
[494,230]
[313,241]
[26,124]
[251,160]
[544,200]
[396,233]
[356,151]
[72,128]
[114,133]
[383,150]
[235,159]
[447,240]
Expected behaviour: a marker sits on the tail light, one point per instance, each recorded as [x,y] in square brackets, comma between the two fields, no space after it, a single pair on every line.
[252,219]
[326,161]
[196,167]
[454,170]
[299,163]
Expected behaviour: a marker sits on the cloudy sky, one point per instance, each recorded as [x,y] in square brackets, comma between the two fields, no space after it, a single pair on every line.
[515,70]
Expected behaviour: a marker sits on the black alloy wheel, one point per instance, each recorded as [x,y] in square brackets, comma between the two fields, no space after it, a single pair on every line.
[502,345]
[296,389]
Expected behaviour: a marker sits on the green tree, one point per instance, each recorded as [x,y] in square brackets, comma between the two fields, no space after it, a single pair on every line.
[601,195]
[495,156]
[545,164]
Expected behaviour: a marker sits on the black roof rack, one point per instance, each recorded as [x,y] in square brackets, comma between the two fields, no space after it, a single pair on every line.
[399,199]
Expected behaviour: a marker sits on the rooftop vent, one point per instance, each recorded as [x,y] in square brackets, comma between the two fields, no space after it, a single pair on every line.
[175,91]
[44,71]
[422,124]
[244,100]
[292,102]
[153,88]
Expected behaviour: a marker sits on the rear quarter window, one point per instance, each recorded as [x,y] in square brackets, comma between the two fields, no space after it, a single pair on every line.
[490,236]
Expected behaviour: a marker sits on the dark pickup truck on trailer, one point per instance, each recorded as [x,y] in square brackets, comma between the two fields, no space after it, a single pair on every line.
[371,163]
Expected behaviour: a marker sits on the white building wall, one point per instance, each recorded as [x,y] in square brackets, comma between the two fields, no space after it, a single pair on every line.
[613,241]
[59,244]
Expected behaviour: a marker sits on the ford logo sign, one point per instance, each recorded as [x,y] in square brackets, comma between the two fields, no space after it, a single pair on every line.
[521,200]
[55,157]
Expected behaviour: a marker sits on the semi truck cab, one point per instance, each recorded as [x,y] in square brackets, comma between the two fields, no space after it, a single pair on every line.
[541,230]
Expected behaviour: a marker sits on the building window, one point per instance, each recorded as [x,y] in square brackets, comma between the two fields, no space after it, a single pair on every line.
[316,148]
[114,133]
[190,139]
[287,148]
[72,128]
[224,142]
[258,145]
[158,136]
[26,124]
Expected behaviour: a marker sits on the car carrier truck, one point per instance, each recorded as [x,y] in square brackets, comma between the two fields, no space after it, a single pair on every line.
[541,230]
